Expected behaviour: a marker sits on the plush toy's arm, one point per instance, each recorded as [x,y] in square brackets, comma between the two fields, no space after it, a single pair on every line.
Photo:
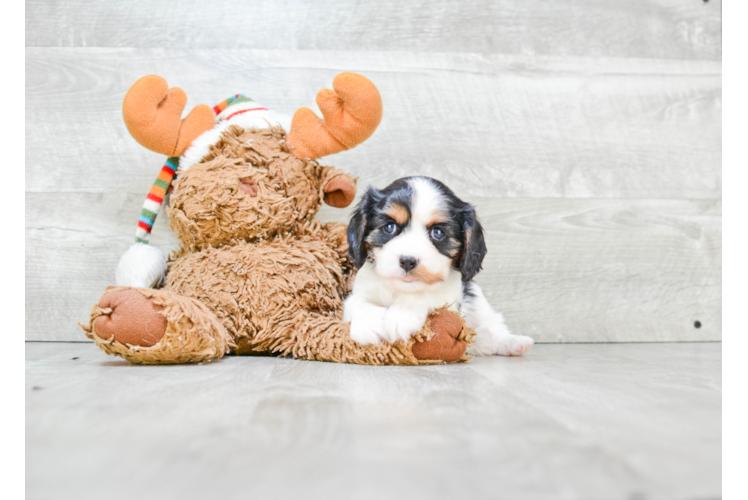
[337,188]
[351,114]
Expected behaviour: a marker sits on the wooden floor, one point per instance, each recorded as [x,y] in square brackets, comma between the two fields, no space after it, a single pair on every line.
[584,421]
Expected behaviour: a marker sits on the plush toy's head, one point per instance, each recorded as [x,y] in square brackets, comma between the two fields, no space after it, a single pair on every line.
[239,176]
[248,186]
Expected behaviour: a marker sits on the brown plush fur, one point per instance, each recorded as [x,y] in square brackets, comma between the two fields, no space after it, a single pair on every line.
[193,334]
[209,207]
[254,274]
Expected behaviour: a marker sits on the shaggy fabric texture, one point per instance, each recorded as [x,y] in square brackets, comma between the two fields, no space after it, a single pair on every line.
[193,334]
[285,296]
[255,275]
[210,208]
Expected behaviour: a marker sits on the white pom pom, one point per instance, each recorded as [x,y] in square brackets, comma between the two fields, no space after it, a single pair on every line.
[142,266]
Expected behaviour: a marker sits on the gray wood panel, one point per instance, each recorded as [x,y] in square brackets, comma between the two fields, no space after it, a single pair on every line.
[561,270]
[733,269]
[664,29]
[563,421]
[733,123]
[73,244]
[487,125]
[733,206]
[571,270]
[588,134]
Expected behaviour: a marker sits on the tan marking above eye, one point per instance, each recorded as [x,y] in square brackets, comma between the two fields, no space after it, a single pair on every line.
[398,212]
[436,217]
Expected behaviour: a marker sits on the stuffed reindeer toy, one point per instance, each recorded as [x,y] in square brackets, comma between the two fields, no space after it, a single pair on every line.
[254,272]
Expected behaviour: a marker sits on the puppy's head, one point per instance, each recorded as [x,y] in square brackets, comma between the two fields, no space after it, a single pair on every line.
[415,232]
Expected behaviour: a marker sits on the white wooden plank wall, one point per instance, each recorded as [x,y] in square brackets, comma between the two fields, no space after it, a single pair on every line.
[588,134]
[733,205]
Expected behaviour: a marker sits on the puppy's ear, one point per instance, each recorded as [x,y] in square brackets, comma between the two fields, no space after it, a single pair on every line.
[474,246]
[357,249]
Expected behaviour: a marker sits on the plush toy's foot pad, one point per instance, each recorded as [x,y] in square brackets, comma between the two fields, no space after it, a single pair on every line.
[445,337]
[134,319]
[148,326]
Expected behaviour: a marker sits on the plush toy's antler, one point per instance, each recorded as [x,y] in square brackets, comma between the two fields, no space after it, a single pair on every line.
[153,115]
[351,114]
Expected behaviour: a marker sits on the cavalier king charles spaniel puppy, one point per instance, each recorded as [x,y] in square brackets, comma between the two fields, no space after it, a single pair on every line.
[417,247]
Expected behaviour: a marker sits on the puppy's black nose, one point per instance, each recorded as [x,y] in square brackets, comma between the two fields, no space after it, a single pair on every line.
[408,263]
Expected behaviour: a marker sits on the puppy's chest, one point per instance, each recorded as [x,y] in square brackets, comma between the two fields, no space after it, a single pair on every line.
[430,299]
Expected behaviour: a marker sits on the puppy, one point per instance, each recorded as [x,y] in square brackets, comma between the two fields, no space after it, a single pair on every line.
[417,247]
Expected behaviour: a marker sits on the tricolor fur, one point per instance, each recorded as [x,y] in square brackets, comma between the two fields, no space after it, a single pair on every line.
[417,247]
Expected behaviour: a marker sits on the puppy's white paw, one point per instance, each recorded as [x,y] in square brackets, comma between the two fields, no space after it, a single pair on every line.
[497,339]
[513,345]
[367,325]
[400,322]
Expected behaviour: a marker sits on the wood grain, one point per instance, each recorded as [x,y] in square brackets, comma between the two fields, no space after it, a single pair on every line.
[487,125]
[568,270]
[662,29]
[561,270]
[733,268]
[73,244]
[587,133]
[564,421]
[733,206]
[733,123]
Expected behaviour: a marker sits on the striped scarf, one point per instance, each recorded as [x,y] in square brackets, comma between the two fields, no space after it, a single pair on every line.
[231,107]
[155,199]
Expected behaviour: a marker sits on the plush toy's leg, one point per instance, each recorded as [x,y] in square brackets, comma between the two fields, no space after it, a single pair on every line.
[315,336]
[147,326]
[444,337]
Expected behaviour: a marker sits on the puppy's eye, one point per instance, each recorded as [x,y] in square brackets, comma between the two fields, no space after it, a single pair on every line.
[437,233]
[390,228]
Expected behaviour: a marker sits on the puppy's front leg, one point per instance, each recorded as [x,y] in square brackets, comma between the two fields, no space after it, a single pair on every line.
[367,320]
[404,319]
